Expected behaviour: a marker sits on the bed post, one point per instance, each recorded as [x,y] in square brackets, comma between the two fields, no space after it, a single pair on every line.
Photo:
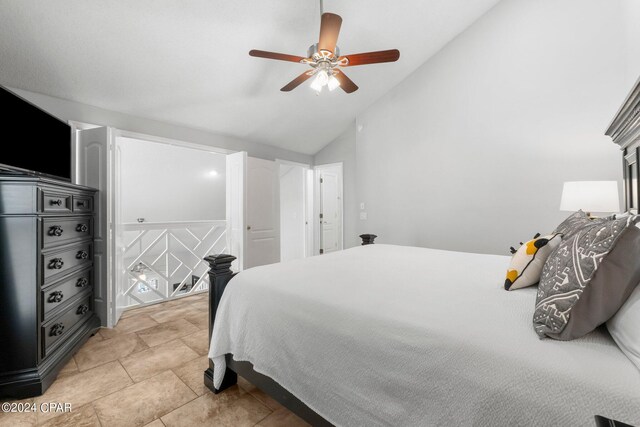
[219,275]
[367,239]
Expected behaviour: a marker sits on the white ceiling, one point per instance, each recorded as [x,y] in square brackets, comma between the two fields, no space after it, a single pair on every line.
[187,62]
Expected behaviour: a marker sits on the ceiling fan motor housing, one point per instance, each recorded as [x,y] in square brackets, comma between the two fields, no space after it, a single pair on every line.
[314,53]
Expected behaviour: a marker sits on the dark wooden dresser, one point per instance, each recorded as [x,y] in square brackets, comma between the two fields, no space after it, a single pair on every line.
[46,279]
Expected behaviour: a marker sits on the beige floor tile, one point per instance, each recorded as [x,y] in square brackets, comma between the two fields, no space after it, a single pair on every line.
[283,418]
[144,402]
[227,409]
[147,309]
[70,368]
[172,314]
[84,416]
[166,332]
[263,397]
[148,363]
[84,387]
[105,351]
[17,419]
[193,298]
[201,320]
[198,342]
[128,325]
[201,305]
[93,339]
[192,374]
[155,423]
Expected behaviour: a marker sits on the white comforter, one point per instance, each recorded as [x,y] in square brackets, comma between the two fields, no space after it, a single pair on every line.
[404,336]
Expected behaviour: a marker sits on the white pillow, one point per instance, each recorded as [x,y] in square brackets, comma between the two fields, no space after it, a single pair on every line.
[624,327]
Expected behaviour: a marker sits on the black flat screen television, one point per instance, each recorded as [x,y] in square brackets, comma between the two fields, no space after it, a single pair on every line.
[39,144]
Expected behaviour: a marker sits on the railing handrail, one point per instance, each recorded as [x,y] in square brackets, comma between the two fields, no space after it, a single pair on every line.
[128,226]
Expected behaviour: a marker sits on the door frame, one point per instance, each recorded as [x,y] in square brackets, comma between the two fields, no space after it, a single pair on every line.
[308,206]
[113,199]
[317,170]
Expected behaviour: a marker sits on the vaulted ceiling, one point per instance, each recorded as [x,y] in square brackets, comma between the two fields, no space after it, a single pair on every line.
[187,62]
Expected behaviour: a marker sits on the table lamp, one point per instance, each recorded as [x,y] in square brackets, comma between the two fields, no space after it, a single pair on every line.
[590,196]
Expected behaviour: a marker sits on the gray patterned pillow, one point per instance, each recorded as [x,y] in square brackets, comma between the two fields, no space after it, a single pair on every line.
[588,278]
[573,223]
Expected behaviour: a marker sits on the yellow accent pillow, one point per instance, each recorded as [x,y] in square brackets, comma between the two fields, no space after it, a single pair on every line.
[527,262]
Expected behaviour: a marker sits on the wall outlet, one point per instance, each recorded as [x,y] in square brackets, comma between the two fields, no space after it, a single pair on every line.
[363,215]
[361,206]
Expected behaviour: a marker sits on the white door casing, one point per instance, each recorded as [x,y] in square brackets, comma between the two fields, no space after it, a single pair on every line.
[262,214]
[96,165]
[329,181]
[236,201]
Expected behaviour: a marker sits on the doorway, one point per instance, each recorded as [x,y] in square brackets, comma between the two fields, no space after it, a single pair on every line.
[161,209]
[330,207]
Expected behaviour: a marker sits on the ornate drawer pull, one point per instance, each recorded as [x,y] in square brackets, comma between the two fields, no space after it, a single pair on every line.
[82,309]
[82,255]
[82,228]
[55,296]
[56,264]
[82,282]
[56,230]
[56,202]
[81,203]
[56,330]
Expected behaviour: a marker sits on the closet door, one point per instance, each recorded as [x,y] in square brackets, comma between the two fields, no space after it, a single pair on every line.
[236,200]
[96,168]
[262,213]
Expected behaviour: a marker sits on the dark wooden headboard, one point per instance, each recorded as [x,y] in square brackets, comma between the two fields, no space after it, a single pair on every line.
[625,131]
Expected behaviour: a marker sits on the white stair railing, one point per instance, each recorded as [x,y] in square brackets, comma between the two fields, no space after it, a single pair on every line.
[161,261]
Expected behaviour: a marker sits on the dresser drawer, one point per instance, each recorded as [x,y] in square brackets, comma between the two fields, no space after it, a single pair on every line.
[59,294]
[62,326]
[54,201]
[60,231]
[55,264]
[82,203]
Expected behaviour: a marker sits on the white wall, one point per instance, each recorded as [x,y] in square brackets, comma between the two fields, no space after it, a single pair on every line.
[162,182]
[70,110]
[470,152]
[292,212]
[343,149]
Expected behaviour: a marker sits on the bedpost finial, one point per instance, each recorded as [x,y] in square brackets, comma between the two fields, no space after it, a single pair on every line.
[220,262]
[367,239]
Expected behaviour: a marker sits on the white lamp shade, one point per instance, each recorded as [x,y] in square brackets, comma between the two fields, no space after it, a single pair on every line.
[590,196]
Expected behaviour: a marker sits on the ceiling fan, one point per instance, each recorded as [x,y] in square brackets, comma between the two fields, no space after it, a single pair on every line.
[324,59]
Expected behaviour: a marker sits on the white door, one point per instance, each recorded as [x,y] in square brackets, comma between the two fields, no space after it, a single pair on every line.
[293,183]
[330,201]
[262,213]
[236,199]
[96,167]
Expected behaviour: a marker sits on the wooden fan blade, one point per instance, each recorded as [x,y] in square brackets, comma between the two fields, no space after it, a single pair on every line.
[345,82]
[329,31]
[297,81]
[274,55]
[371,57]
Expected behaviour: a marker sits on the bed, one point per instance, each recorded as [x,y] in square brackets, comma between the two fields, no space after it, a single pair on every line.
[392,335]
[404,336]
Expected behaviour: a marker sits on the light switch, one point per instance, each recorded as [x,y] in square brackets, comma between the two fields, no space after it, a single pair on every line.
[361,206]
[363,215]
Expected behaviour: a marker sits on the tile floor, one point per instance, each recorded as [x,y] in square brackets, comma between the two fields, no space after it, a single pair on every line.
[148,371]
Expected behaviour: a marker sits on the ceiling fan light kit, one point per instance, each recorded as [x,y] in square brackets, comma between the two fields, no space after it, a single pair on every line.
[325,60]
